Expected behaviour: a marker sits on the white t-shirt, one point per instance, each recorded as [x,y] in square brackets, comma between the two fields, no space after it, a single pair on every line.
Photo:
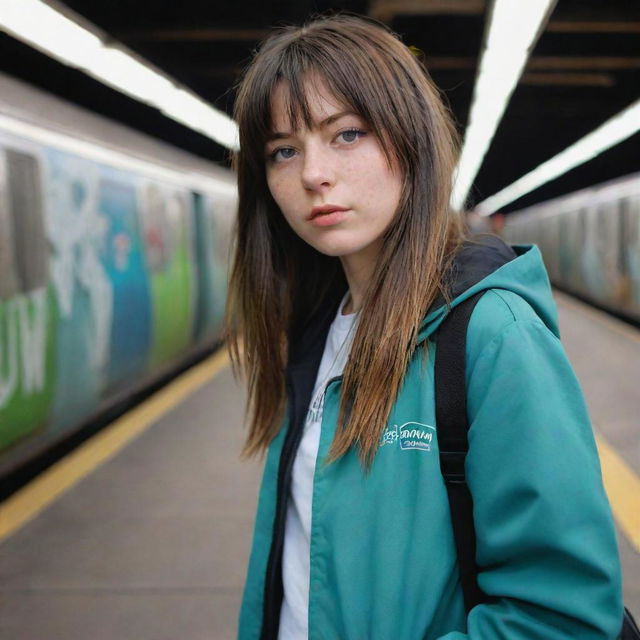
[294,619]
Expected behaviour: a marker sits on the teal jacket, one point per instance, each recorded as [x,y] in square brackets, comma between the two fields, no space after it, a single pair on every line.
[383,559]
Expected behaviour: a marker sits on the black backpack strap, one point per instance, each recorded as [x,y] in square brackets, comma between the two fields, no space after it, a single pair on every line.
[630,629]
[452,426]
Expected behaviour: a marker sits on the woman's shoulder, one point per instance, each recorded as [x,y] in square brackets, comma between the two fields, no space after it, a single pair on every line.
[498,308]
[515,286]
[499,312]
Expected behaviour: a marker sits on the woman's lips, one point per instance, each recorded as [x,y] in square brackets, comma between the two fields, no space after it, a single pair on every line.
[327,215]
[329,219]
[324,209]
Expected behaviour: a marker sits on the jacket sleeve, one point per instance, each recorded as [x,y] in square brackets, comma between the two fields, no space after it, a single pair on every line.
[546,546]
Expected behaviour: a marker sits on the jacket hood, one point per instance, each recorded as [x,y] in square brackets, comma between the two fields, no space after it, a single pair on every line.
[486,262]
[483,262]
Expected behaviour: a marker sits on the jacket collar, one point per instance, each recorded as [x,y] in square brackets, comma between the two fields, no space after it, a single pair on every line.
[477,258]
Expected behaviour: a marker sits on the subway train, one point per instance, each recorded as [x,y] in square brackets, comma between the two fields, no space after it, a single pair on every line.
[590,241]
[113,260]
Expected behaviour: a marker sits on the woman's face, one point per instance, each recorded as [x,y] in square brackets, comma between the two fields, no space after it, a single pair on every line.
[337,164]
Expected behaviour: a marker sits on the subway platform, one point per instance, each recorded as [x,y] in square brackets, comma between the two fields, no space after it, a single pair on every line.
[144,532]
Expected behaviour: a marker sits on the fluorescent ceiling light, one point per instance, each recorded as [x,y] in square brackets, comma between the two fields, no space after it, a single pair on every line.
[126,74]
[196,113]
[613,131]
[46,29]
[513,32]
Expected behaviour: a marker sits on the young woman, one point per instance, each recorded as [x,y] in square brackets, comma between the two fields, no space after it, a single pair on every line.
[348,258]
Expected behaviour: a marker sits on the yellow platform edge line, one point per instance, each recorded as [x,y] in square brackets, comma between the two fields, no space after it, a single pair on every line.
[29,501]
[623,488]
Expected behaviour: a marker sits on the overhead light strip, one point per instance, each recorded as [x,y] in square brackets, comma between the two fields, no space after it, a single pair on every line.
[615,130]
[512,33]
[48,30]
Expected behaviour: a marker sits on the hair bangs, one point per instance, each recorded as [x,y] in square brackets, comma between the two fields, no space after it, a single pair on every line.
[310,64]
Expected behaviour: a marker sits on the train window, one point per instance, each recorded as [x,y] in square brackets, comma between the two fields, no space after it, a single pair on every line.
[165,223]
[622,234]
[23,245]
[632,220]
[630,243]
[603,224]
[177,219]
[583,221]
[154,223]
[8,275]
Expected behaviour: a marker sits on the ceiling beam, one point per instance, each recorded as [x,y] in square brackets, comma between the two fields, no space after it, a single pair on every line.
[193,35]
[452,63]
[584,63]
[386,10]
[594,26]
[604,80]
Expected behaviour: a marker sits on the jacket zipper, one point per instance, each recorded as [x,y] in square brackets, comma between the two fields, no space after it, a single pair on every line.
[273,589]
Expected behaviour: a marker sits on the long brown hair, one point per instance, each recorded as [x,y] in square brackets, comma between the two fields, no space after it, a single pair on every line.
[277,280]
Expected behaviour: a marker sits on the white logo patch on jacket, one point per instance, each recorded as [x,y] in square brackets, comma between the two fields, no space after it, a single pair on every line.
[410,435]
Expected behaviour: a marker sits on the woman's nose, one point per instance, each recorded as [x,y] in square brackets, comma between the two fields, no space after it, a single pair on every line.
[317,170]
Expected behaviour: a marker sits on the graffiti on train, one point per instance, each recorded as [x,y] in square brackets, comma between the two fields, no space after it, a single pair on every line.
[98,284]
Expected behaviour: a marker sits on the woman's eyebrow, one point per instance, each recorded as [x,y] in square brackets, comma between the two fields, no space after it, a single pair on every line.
[277,135]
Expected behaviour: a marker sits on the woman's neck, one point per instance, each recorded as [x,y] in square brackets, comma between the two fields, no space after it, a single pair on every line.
[358,270]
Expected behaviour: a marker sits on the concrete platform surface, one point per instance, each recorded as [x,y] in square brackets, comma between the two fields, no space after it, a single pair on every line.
[152,545]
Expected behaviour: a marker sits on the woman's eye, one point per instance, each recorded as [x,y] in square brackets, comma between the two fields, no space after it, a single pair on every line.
[351,135]
[283,153]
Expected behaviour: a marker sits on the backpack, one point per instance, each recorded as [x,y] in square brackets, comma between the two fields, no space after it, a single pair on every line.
[452,427]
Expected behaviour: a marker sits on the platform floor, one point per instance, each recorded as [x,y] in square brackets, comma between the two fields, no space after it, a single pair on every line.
[153,544]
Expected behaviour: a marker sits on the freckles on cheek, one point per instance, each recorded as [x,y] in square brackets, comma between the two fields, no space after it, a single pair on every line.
[368,180]
[275,187]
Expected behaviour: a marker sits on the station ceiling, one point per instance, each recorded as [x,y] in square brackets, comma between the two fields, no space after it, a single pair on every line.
[584,69]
